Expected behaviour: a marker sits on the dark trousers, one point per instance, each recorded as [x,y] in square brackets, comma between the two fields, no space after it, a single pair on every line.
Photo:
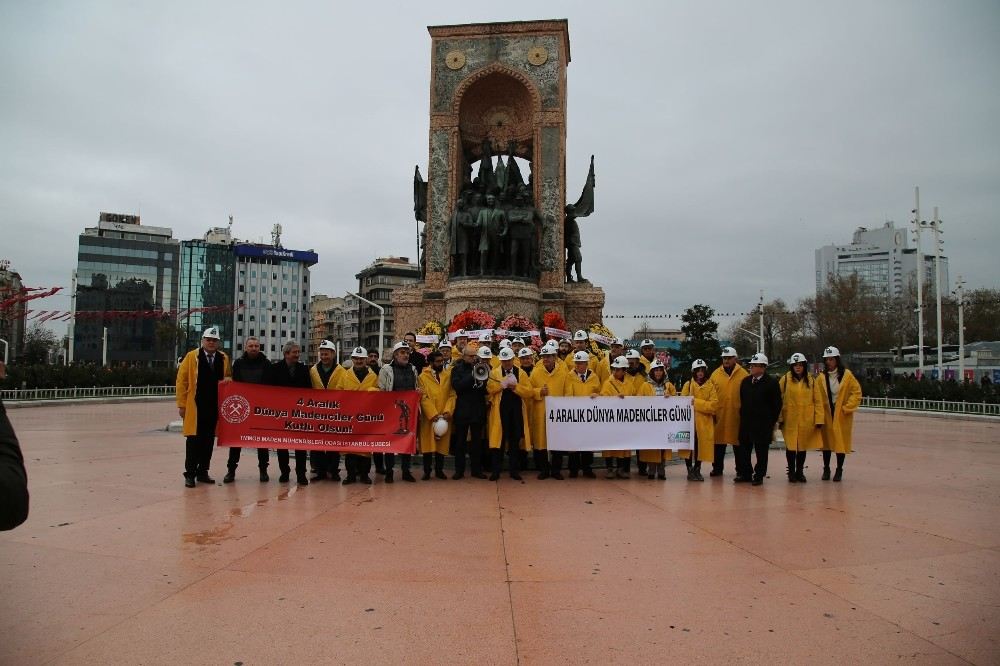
[827,455]
[324,462]
[300,461]
[467,438]
[198,455]
[512,431]
[796,461]
[406,460]
[743,451]
[435,460]
[720,456]
[234,458]
[356,465]
[580,460]
[379,460]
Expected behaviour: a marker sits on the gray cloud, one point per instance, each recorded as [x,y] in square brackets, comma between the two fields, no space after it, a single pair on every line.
[731,139]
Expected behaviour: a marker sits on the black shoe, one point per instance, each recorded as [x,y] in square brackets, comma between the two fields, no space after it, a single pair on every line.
[543,475]
[757,481]
[365,479]
[349,480]
[838,475]
[426,476]
[691,474]
[573,473]
[494,477]
[301,479]
[319,476]
[189,483]
[205,478]
[622,474]
[283,478]
[335,476]
[800,477]
[698,476]
[408,476]
[439,474]
[388,476]
[792,478]
[229,477]
[651,476]
[661,474]
[589,474]
[826,474]
[457,476]
[379,470]
[515,476]
[715,472]
[557,475]
[742,479]
[481,475]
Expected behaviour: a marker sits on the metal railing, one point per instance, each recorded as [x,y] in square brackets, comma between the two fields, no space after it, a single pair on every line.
[85,392]
[923,405]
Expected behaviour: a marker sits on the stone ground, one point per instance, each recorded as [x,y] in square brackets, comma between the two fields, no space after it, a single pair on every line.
[118,563]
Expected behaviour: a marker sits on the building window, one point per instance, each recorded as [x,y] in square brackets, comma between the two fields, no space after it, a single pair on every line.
[273,335]
[239,317]
[241,289]
[274,319]
[283,319]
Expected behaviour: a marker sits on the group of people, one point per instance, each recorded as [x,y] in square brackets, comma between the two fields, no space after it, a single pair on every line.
[482,406]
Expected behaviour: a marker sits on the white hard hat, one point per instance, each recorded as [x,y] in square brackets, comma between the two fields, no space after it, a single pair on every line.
[504,343]
[359,352]
[758,359]
[831,352]
[698,363]
[484,352]
[212,332]
[506,354]
[616,342]
[486,337]
[647,343]
[400,345]
[517,341]
[656,364]
[797,358]
[581,357]
[440,427]
[580,335]
[461,333]
[632,353]
[620,363]
[728,351]
[444,343]
[525,351]
[327,344]
[548,350]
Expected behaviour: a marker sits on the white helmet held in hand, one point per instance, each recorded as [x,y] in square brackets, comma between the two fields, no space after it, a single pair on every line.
[440,427]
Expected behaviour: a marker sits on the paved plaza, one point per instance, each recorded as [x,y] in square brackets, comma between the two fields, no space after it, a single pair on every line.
[119,563]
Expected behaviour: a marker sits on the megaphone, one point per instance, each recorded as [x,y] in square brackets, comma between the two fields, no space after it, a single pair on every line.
[481,372]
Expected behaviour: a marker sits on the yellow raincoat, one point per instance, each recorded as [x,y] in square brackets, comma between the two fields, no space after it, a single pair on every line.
[657,455]
[438,397]
[331,385]
[706,403]
[349,382]
[595,365]
[187,384]
[839,424]
[493,390]
[801,411]
[727,418]
[556,381]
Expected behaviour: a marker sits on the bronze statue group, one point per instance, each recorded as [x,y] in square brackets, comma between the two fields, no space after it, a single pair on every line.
[483,401]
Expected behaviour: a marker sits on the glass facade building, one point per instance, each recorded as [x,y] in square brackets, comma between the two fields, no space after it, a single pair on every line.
[206,280]
[124,267]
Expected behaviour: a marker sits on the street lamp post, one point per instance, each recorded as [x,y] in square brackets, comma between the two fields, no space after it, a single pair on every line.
[381,321]
[960,295]
[936,226]
[920,286]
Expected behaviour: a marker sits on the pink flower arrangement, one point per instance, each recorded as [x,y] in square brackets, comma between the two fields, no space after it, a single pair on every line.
[519,323]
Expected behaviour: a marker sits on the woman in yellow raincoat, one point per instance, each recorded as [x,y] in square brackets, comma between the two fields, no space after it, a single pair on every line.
[706,404]
[801,416]
[654,458]
[841,395]
[621,384]
[510,394]
[436,402]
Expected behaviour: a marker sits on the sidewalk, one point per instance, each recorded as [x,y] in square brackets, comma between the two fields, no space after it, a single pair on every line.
[119,563]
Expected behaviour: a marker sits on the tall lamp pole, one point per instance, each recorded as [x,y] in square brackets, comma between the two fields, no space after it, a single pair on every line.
[936,226]
[960,295]
[381,321]
[920,285]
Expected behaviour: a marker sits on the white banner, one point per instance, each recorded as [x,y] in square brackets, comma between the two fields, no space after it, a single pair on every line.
[473,335]
[557,333]
[619,424]
[503,333]
[602,339]
[427,339]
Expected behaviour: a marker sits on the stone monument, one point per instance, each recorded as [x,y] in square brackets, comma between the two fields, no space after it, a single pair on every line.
[501,237]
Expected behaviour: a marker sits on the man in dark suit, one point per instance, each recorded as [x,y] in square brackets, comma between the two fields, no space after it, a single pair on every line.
[760,407]
[290,372]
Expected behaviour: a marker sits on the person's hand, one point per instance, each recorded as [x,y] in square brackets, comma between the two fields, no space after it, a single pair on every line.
[182,411]
[621,395]
[819,425]
[445,415]
[545,390]
[420,390]
[226,380]
[593,396]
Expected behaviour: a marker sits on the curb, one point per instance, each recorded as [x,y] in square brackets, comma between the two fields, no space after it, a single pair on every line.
[955,416]
[19,404]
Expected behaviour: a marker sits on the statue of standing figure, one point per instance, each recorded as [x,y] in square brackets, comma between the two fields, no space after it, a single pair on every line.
[461,228]
[492,226]
[571,229]
[521,230]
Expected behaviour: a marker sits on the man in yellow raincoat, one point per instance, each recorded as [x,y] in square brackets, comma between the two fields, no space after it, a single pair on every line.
[581,383]
[325,375]
[436,403]
[621,385]
[359,377]
[727,379]
[509,390]
[548,378]
[198,378]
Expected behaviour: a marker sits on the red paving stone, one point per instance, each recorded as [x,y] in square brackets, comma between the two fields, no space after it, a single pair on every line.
[119,563]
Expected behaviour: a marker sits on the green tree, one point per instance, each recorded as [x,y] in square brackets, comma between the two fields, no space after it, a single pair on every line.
[700,338]
[38,342]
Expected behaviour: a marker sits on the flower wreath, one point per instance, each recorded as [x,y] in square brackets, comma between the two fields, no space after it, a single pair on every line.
[600,329]
[472,320]
[519,323]
[430,327]
[552,319]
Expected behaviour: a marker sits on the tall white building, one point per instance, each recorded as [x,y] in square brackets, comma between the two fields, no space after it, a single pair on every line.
[272,296]
[882,259]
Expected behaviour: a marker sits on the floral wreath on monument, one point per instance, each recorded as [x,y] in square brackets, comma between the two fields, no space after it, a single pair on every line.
[552,319]
[430,327]
[601,330]
[517,323]
[472,320]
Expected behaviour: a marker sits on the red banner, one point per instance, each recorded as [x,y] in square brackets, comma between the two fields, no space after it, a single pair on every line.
[273,417]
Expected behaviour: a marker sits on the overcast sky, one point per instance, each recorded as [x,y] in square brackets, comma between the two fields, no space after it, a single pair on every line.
[732,139]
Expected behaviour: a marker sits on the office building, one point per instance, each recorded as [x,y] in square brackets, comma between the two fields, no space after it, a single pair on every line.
[125,272]
[376,283]
[321,326]
[207,280]
[272,296]
[883,261]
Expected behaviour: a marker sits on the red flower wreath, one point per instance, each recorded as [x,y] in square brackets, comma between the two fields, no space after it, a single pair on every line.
[519,323]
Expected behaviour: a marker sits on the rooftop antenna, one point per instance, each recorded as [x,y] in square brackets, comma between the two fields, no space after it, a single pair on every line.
[276,235]
[230,222]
